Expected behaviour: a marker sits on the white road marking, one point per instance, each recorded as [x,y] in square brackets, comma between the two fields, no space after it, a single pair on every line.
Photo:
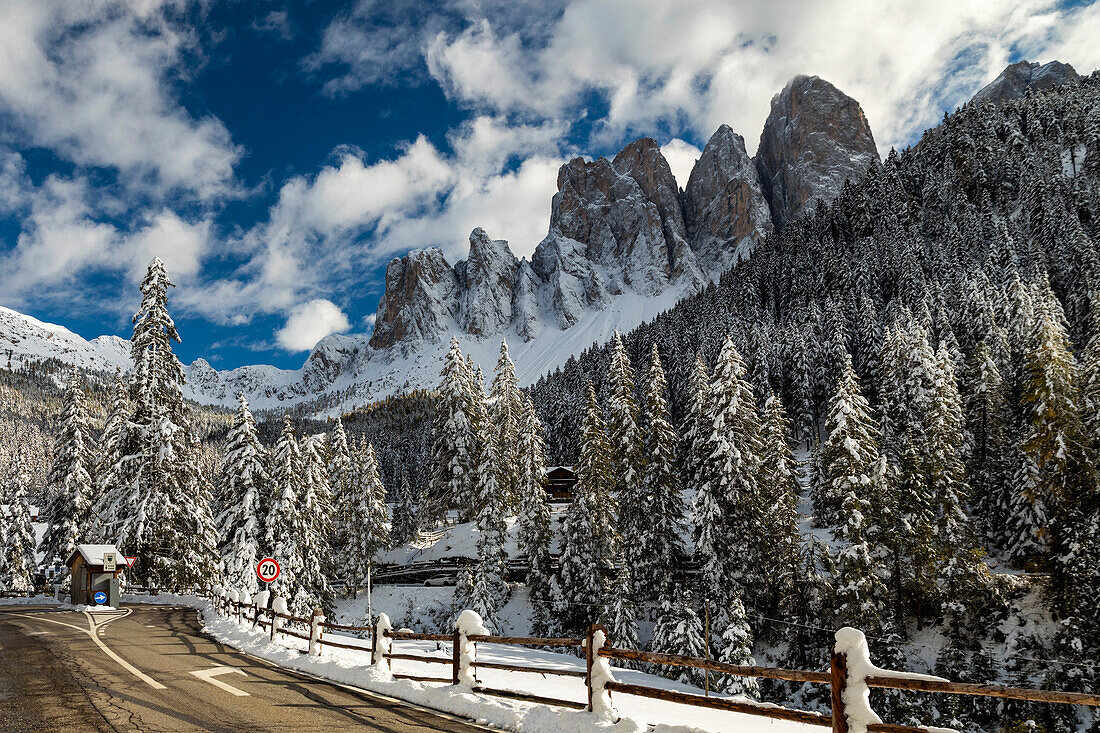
[210,674]
[91,632]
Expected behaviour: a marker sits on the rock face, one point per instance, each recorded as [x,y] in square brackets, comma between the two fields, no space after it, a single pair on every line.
[487,280]
[815,138]
[419,301]
[1018,78]
[725,211]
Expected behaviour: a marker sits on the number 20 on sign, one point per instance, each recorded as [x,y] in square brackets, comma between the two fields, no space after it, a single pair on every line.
[267,569]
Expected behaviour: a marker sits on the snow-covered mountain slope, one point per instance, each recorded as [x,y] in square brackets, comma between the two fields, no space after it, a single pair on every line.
[24,339]
[624,243]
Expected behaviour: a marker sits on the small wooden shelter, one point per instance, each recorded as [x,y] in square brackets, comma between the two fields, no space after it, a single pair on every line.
[560,481]
[94,570]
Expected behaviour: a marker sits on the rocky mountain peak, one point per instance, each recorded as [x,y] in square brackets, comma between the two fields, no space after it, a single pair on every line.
[725,211]
[814,139]
[419,300]
[1018,78]
[488,278]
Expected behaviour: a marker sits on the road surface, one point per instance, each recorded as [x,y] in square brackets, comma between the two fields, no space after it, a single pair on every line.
[149,668]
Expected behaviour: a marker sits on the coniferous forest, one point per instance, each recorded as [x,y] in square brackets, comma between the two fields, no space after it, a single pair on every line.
[887,416]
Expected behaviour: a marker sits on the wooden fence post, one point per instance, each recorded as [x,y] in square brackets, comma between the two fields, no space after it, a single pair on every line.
[839,679]
[456,656]
[271,611]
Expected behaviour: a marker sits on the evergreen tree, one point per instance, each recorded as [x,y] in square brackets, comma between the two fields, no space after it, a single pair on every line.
[589,540]
[341,477]
[535,533]
[316,512]
[369,533]
[626,458]
[850,450]
[284,526]
[453,439]
[659,551]
[19,562]
[70,482]
[163,509]
[679,630]
[736,648]
[110,471]
[405,528]
[242,489]
[506,413]
[986,442]
[779,492]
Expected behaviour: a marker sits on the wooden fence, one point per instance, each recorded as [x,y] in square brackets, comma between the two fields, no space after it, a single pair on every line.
[837,678]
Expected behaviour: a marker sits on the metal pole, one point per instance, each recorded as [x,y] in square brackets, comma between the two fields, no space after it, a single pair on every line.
[370,613]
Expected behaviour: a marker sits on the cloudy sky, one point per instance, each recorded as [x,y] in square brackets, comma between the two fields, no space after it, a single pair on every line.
[277,155]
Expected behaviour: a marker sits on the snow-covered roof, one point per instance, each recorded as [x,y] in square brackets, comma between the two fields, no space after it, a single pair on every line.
[5,510]
[93,554]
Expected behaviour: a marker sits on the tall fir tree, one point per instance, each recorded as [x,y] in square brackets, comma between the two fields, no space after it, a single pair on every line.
[71,488]
[506,414]
[284,526]
[453,439]
[341,476]
[590,542]
[660,551]
[19,564]
[535,532]
[316,511]
[405,527]
[779,492]
[242,488]
[110,470]
[164,511]
[626,456]
[367,515]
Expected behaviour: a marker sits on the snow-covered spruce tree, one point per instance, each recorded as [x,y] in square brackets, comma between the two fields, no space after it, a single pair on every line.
[340,476]
[505,413]
[679,630]
[849,452]
[71,489]
[284,527]
[779,492]
[535,533]
[589,540]
[660,552]
[626,458]
[316,511]
[242,488]
[860,594]
[163,511]
[987,444]
[110,472]
[693,430]
[735,647]
[368,531]
[621,614]
[729,518]
[452,439]
[1056,441]
[490,572]
[19,545]
[405,528]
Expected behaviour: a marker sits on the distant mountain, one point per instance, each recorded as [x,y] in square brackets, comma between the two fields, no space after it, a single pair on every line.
[624,243]
[1015,81]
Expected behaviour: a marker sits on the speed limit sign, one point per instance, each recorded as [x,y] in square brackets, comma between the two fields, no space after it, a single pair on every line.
[267,569]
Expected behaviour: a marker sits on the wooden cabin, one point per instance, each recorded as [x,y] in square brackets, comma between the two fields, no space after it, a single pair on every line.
[560,481]
[93,572]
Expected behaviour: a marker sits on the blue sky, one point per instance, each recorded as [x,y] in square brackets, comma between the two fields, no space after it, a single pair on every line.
[277,155]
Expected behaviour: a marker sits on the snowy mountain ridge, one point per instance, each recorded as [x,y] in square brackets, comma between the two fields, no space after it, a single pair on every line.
[624,243]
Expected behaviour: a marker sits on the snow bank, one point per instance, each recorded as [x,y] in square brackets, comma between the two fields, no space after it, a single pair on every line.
[30,601]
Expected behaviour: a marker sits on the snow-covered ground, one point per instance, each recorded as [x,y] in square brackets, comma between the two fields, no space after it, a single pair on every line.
[353,667]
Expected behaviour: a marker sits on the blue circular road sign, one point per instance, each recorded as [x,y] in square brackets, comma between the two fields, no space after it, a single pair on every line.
[100,598]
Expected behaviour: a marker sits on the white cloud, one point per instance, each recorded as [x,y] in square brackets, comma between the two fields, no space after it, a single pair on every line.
[93,81]
[180,244]
[690,65]
[681,157]
[310,322]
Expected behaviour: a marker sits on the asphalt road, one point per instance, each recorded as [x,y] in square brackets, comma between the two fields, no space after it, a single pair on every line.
[136,671]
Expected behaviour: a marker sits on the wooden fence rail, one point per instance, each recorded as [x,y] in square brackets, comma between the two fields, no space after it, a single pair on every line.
[837,678]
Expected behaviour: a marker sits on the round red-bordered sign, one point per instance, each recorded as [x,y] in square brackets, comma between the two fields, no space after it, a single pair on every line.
[267,569]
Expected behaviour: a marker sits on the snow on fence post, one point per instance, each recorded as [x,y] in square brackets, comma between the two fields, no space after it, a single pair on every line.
[245,603]
[382,643]
[216,597]
[851,665]
[277,606]
[260,603]
[468,624]
[456,655]
[234,596]
[598,674]
[315,624]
